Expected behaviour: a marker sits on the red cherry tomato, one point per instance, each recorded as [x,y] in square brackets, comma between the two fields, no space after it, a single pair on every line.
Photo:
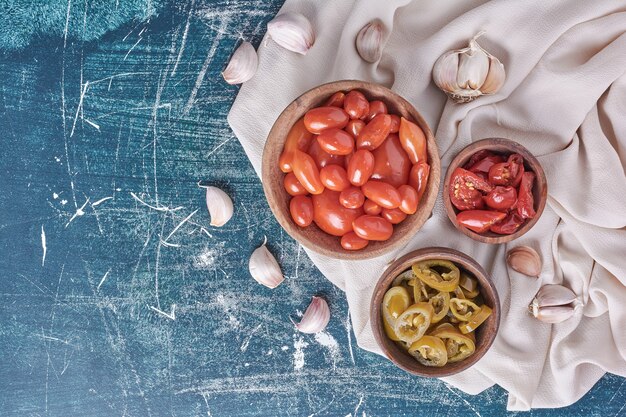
[408,199]
[381,193]
[395,123]
[301,209]
[374,133]
[297,138]
[393,216]
[479,221]
[330,216]
[418,178]
[501,198]
[323,158]
[352,198]
[336,141]
[413,141]
[372,228]
[350,241]
[509,172]
[525,200]
[321,118]
[336,100]
[356,105]
[465,189]
[307,172]
[376,107]
[371,208]
[293,186]
[508,225]
[354,127]
[360,167]
[391,165]
[334,177]
[483,165]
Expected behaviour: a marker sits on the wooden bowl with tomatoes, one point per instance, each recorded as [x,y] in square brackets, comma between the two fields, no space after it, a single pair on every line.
[329,220]
[495,190]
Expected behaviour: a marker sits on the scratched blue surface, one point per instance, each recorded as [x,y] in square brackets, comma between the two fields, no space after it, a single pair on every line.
[103,144]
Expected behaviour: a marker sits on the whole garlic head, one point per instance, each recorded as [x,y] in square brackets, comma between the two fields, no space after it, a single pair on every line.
[468,73]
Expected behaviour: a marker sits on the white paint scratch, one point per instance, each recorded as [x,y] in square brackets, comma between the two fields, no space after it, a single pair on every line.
[357,406]
[171,315]
[349,332]
[83,90]
[43,246]
[133,195]
[92,124]
[79,212]
[185,220]
[183,40]
[326,340]
[298,355]
[462,399]
[102,200]
[131,49]
[246,342]
[106,274]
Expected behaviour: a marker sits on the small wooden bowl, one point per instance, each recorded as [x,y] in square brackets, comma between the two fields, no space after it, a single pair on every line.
[485,334]
[312,237]
[499,145]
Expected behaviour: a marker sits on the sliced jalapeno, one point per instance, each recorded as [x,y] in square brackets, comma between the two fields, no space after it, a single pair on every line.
[463,309]
[458,346]
[441,305]
[413,322]
[476,320]
[395,302]
[429,351]
[427,272]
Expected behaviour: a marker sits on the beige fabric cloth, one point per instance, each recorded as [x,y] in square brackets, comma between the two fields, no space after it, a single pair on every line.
[564,99]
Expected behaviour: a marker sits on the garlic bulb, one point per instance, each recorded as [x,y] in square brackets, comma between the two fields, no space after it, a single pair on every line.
[315,317]
[242,65]
[524,260]
[292,31]
[369,41]
[554,304]
[468,73]
[264,268]
[220,206]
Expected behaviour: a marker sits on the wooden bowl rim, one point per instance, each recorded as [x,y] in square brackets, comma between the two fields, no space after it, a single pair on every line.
[374,249]
[511,146]
[489,330]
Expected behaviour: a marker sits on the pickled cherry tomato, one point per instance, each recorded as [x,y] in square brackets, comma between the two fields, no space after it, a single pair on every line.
[371,208]
[352,198]
[409,199]
[376,107]
[323,158]
[336,141]
[374,133]
[350,241]
[330,216]
[418,178]
[501,198]
[356,105]
[381,193]
[293,186]
[395,123]
[360,167]
[391,165]
[413,141]
[372,228]
[336,100]
[393,216]
[334,177]
[321,118]
[301,209]
[354,127]
[297,138]
[307,173]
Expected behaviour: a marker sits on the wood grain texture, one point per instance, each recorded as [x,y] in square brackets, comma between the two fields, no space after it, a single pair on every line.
[143,111]
[506,146]
[485,334]
[312,237]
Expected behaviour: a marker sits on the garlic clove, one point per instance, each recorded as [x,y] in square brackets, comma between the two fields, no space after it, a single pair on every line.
[315,317]
[220,206]
[242,65]
[292,31]
[495,76]
[369,41]
[554,314]
[444,72]
[524,260]
[554,295]
[264,268]
[473,69]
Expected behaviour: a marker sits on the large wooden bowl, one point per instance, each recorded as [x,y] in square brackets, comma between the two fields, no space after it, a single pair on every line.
[499,145]
[312,237]
[485,334]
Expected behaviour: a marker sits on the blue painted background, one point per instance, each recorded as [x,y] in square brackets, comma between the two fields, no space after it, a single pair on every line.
[90,128]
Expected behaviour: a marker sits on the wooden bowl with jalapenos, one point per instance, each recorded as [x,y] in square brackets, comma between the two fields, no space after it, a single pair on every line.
[435,312]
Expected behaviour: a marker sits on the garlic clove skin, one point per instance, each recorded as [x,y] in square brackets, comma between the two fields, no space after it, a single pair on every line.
[524,260]
[242,65]
[444,72]
[292,31]
[315,317]
[554,295]
[495,77]
[369,41]
[220,206]
[473,68]
[264,268]
[554,314]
